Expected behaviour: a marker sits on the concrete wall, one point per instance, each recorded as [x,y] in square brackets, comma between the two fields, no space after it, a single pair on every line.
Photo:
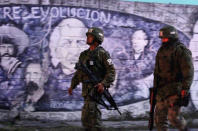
[51,34]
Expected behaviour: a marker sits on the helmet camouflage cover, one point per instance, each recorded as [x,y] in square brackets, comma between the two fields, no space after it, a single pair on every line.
[97,33]
[168,32]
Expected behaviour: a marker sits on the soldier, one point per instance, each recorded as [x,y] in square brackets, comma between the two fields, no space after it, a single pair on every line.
[173,75]
[99,62]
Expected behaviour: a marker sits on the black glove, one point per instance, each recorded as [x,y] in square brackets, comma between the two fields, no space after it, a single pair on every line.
[184,98]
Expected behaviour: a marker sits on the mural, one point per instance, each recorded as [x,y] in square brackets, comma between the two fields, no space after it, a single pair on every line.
[194,48]
[42,45]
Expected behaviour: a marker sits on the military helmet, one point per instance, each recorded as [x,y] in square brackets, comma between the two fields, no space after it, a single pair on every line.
[97,33]
[168,32]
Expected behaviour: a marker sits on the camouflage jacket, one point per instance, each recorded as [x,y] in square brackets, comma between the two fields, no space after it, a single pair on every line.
[173,69]
[100,63]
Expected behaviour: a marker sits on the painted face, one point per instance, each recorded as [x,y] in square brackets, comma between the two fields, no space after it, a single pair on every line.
[139,41]
[33,73]
[69,53]
[6,49]
[67,41]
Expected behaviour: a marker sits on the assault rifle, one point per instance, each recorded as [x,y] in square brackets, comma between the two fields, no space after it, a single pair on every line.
[97,97]
[153,92]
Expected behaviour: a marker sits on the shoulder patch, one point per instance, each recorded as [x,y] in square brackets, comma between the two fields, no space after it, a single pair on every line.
[109,61]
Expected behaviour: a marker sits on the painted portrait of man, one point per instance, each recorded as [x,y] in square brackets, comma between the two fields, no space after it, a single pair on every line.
[34,81]
[139,40]
[142,56]
[13,42]
[135,78]
[66,42]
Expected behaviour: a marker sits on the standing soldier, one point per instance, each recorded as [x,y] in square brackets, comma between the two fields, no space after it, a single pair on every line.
[173,76]
[99,62]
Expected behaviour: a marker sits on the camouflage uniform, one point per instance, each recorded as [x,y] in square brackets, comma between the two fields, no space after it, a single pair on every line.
[173,73]
[99,62]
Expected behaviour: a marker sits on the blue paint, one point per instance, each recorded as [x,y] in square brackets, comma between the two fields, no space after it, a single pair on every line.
[50,42]
[185,2]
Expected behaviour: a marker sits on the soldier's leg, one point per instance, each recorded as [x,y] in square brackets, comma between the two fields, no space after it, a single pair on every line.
[174,114]
[160,117]
[91,116]
[84,115]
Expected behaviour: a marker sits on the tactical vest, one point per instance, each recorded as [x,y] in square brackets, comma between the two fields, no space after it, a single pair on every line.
[168,67]
[93,60]
[169,73]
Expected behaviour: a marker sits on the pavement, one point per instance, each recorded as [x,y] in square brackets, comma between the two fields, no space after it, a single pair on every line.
[28,122]
[27,125]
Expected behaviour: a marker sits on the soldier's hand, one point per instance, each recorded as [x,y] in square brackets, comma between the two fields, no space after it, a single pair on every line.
[100,88]
[184,93]
[70,91]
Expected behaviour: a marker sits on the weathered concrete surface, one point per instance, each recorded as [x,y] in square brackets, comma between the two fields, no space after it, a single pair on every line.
[50,121]
[27,125]
[133,111]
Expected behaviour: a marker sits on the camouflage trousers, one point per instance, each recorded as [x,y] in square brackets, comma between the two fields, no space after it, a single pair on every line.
[167,110]
[91,115]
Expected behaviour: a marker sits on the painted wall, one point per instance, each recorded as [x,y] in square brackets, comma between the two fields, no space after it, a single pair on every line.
[189,2]
[51,37]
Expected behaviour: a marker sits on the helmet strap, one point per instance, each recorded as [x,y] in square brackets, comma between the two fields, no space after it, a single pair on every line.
[93,45]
